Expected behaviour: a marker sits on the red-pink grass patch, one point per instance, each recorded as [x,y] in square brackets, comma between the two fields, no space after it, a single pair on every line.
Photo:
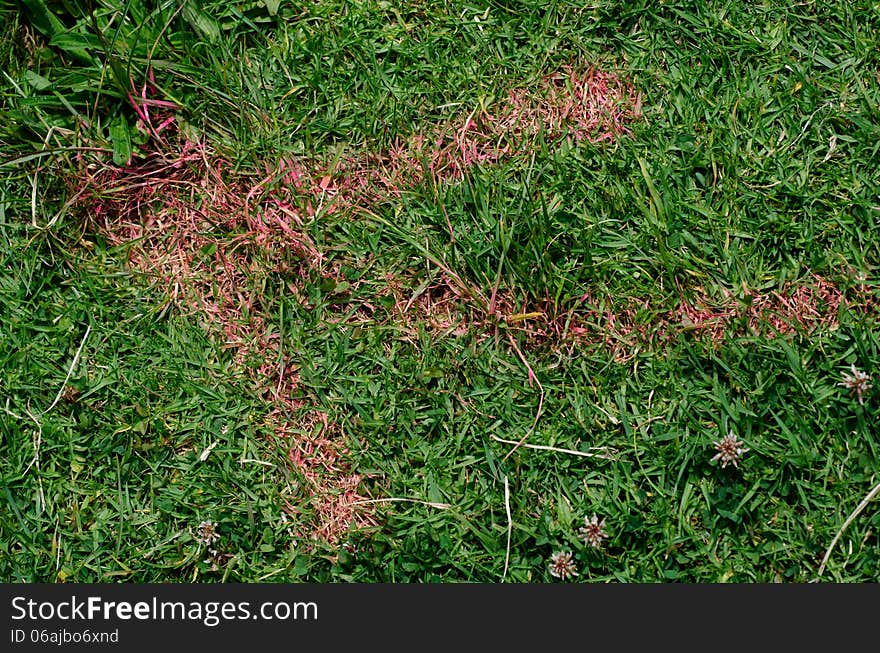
[202,233]
[635,324]
[318,451]
[589,105]
[592,106]
[624,328]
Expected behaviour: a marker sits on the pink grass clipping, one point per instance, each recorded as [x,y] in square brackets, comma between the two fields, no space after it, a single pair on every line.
[625,327]
[211,238]
[589,106]
[798,307]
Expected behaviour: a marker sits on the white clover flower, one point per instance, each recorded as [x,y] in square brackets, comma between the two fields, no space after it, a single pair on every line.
[730,450]
[562,565]
[858,383]
[207,533]
[592,532]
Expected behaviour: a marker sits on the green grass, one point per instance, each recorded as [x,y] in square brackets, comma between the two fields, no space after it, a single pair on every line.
[754,166]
